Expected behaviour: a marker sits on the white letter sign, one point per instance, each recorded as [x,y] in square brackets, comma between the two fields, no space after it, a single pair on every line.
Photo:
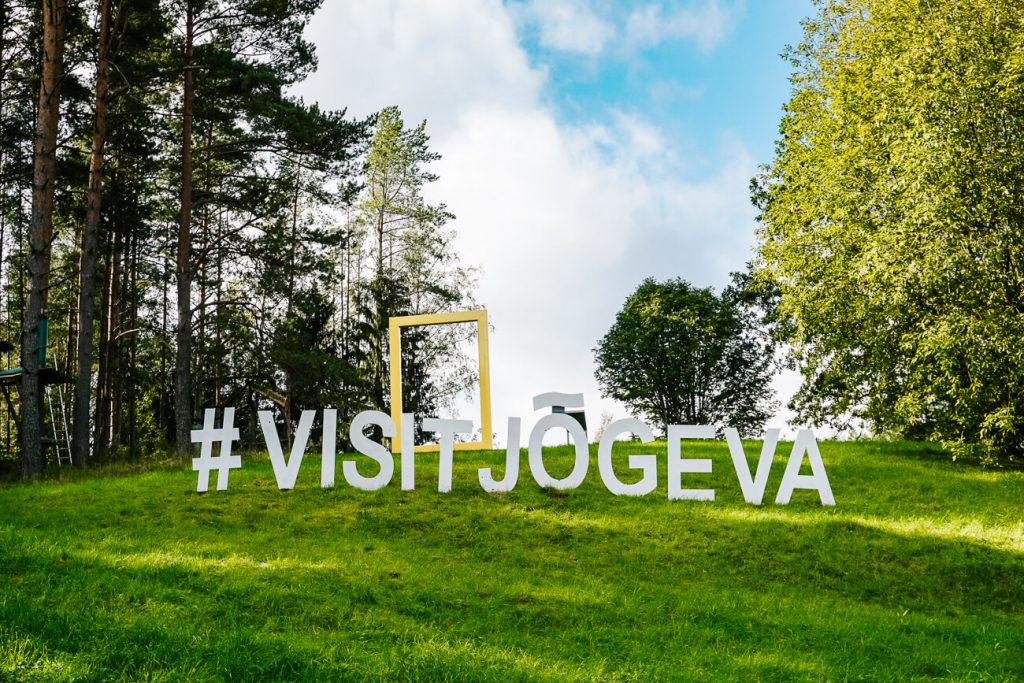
[677,465]
[816,481]
[368,447]
[648,464]
[286,472]
[753,488]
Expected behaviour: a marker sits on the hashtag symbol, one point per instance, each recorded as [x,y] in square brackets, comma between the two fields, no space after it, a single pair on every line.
[206,437]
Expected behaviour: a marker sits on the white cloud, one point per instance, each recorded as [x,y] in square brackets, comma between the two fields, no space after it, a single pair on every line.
[706,25]
[567,25]
[565,233]
[433,59]
[565,221]
[578,27]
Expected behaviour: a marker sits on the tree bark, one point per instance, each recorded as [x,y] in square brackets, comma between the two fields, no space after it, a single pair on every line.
[118,308]
[132,351]
[44,174]
[183,375]
[90,240]
[164,345]
[108,325]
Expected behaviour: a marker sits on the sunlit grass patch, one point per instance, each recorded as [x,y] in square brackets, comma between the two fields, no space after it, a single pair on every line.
[917,572]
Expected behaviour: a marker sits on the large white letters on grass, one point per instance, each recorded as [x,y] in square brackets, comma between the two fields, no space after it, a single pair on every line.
[648,464]
[487,481]
[752,484]
[446,431]
[370,448]
[329,447]
[286,471]
[558,402]
[816,481]
[408,451]
[753,488]
[579,438]
[677,465]
[206,438]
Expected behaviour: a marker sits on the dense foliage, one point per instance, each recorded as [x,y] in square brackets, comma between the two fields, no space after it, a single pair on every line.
[893,220]
[677,354]
[215,240]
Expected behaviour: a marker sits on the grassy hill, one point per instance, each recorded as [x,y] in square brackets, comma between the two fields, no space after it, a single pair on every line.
[917,573]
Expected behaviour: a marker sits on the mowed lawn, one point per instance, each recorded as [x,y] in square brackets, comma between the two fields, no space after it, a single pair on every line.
[917,573]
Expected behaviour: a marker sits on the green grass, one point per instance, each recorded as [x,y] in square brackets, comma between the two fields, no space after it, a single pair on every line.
[918,573]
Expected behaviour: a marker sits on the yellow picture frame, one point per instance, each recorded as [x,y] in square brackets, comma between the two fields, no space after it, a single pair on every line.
[395,326]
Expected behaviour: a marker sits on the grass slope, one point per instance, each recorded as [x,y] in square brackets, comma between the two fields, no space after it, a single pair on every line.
[918,573]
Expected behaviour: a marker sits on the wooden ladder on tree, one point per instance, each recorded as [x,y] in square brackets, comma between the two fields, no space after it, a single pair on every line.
[61,433]
[48,377]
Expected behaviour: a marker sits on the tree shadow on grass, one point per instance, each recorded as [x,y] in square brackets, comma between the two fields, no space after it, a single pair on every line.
[750,597]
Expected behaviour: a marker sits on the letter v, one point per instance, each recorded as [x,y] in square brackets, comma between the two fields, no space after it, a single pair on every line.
[753,489]
[286,472]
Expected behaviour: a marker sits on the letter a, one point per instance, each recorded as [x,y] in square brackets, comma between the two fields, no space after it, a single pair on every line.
[792,479]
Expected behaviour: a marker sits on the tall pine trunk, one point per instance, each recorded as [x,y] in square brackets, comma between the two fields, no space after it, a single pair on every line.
[183,374]
[115,369]
[44,174]
[132,352]
[90,240]
[108,330]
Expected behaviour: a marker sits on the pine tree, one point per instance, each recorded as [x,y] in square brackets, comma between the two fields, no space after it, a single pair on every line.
[44,180]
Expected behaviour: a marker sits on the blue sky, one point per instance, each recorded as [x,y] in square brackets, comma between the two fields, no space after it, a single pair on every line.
[585,145]
[695,93]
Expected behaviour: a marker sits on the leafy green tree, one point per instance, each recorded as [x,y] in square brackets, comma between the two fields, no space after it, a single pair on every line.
[41,176]
[678,354]
[412,268]
[169,112]
[892,224]
[204,187]
[305,347]
[130,35]
[236,60]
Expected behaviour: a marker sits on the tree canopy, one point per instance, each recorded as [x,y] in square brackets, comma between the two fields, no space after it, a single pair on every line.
[892,219]
[195,236]
[678,354]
